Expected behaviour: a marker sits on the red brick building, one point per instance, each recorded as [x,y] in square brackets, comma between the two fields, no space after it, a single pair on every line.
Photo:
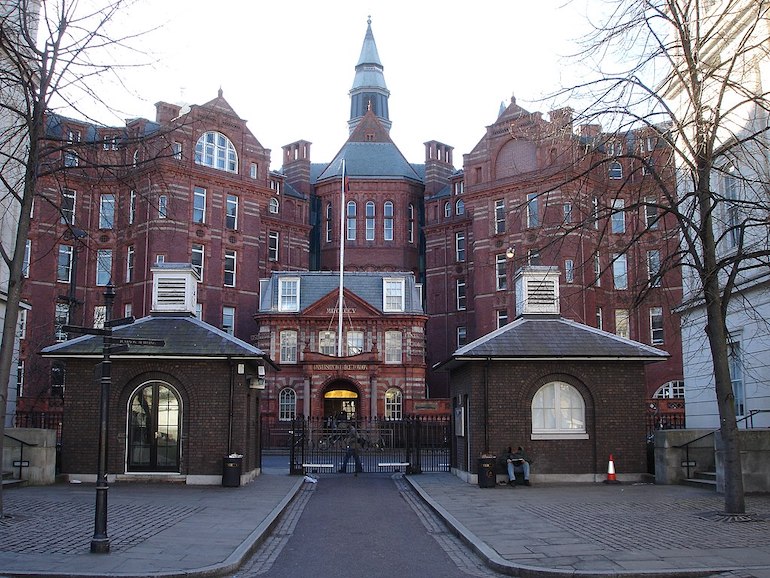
[194,186]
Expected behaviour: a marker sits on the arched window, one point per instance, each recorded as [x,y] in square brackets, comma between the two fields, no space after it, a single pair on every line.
[216,151]
[370,220]
[388,221]
[351,221]
[328,222]
[154,427]
[273,206]
[447,209]
[616,170]
[287,404]
[558,412]
[460,207]
[393,404]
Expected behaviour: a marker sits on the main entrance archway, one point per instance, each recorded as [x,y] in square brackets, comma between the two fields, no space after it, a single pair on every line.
[154,422]
[341,401]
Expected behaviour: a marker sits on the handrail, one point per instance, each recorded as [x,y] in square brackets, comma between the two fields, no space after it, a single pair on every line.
[21,451]
[686,446]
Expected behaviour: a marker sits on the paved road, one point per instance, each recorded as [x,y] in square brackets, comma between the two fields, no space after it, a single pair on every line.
[371,525]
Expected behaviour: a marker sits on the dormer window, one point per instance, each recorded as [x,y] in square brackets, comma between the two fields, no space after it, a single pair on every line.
[215,150]
[393,295]
[288,294]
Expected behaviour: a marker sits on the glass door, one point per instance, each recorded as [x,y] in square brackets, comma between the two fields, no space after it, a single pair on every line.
[153,429]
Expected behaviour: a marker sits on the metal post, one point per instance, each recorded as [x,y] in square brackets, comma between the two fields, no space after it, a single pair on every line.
[100,543]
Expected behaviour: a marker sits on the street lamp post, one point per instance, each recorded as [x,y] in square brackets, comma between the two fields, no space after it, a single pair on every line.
[100,543]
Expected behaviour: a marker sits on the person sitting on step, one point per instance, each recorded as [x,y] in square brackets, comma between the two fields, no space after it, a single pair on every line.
[518,462]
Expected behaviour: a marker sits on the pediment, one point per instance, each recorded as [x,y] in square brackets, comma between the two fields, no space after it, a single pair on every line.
[354,307]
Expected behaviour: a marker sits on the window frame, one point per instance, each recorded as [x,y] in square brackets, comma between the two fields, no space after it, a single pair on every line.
[394,403]
[198,249]
[389,297]
[351,220]
[199,205]
[461,297]
[273,206]
[462,336]
[500,220]
[130,256]
[107,211]
[231,212]
[460,247]
[370,220]
[501,272]
[327,342]
[394,347]
[103,267]
[67,209]
[620,271]
[354,346]
[563,427]
[623,321]
[273,245]
[228,313]
[654,276]
[66,251]
[287,346]
[533,217]
[287,404]
[215,150]
[230,267]
[288,301]
[618,219]
[657,333]
[388,217]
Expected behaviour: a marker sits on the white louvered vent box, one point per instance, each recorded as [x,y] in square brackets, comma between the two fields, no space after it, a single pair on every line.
[537,290]
[174,288]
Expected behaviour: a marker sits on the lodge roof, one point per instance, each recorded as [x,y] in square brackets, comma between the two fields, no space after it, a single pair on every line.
[549,338]
[185,336]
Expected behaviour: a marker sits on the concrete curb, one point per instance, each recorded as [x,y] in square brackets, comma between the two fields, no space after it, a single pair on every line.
[500,564]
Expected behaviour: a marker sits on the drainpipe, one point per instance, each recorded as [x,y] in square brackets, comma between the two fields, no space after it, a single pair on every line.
[486,406]
[230,409]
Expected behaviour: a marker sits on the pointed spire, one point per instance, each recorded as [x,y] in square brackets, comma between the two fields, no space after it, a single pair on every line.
[369,91]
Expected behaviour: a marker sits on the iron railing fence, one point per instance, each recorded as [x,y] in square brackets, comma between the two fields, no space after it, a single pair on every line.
[316,445]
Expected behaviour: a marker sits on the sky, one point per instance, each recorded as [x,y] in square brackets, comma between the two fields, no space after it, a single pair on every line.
[287,66]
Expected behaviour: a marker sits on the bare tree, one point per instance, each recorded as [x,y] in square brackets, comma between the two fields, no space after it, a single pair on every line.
[689,70]
[52,53]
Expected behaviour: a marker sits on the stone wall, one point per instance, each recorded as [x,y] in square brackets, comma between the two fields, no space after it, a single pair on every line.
[41,456]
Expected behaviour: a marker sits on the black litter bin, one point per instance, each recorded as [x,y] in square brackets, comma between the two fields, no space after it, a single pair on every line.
[231,471]
[486,471]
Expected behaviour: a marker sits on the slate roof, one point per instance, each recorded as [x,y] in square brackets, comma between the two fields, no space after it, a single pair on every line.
[184,334]
[315,285]
[381,160]
[550,337]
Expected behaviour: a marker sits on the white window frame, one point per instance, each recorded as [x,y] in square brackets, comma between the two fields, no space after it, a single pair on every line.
[288,344]
[107,211]
[461,295]
[355,342]
[462,336]
[163,206]
[68,204]
[501,272]
[410,223]
[253,168]
[620,271]
[657,335]
[228,319]
[288,293]
[328,222]
[371,212]
[131,207]
[351,220]
[231,212]
[327,342]
[501,318]
[597,270]
[558,412]
[460,207]
[388,215]
[393,294]
[447,210]
[460,247]
[615,171]
[27,259]
[287,404]
[129,263]
[653,268]
[567,212]
[21,324]
[216,151]
[393,346]
[618,219]
[273,206]
[230,265]
[623,323]
[533,217]
[651,213]
[394,403]
[176,150]
[599,319]
[273,245]
[199,205]
[103,267]
[500,216]
[198,259]
[569,271]
[64,264]
[61,318]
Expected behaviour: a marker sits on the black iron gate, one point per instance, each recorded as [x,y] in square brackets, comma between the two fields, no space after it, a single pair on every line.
[412,445]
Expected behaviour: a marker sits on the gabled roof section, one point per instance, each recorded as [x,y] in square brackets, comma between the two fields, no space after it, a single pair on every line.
[551,338]
[369,152]
[185,336]
[366,286]
[221,105]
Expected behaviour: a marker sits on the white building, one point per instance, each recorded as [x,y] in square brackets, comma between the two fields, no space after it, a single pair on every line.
[741,203]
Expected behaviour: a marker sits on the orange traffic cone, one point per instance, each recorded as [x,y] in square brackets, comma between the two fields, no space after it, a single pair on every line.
[611,479]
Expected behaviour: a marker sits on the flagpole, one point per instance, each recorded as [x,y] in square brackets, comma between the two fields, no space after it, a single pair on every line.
[343,233]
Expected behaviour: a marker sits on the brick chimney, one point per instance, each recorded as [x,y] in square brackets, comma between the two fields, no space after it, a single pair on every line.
[165,112]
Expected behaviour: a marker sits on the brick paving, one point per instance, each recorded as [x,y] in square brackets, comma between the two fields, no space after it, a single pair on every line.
[544,530]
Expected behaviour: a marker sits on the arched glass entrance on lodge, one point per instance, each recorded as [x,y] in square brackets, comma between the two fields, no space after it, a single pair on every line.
[154,423]
[341,401]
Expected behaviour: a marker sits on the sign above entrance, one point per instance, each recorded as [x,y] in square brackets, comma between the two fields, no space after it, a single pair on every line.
[340,367]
